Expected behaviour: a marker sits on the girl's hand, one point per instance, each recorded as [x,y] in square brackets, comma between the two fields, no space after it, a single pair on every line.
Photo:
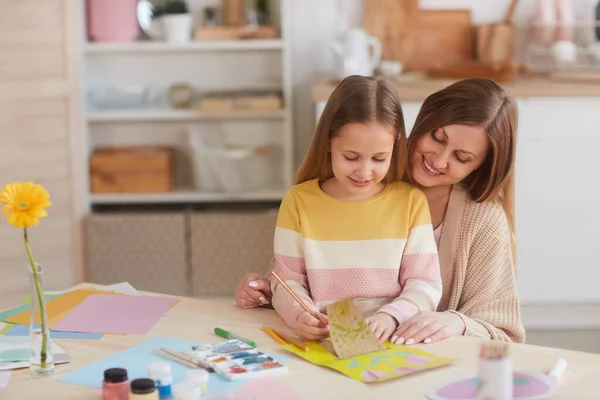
[429,327]
[310,328]
[253,291]
[382,325]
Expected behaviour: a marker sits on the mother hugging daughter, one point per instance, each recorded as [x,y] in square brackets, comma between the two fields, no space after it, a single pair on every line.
[459,160]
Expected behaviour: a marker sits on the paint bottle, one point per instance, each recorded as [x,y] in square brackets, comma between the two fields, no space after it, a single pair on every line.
[115,385]
[143,389]
[186,390]
[198,378]
[160,373]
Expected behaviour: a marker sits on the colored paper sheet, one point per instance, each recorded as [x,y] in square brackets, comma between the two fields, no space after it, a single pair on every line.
[4,378]
[116,314]
[350,334]
[23,330]
[527,385]
[136,359]
[121,287]
[60,306]
[393,362]
[21,344]
[259,388]
[5,315]
[6,328]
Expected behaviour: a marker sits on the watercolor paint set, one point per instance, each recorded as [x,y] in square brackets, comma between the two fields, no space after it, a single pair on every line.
[235,360]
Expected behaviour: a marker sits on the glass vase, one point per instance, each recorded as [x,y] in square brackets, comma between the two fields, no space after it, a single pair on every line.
[41,361]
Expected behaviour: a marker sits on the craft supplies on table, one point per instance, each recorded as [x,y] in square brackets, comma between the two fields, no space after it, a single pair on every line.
[116,384]
[143,389]
[294,295]
[495,377]
[116,314]
[236,360]
[527,385]
[160,373]
[136,359]
[350,334]
[198,378]
[228,335]
[178,357]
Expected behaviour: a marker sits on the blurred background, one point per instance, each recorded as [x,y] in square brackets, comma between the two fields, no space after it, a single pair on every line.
[167,132]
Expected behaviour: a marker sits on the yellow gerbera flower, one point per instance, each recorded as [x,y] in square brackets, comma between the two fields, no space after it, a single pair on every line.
[24,203]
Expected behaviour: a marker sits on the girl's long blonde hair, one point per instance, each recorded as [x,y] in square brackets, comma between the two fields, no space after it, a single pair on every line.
[478,102]
[357,99]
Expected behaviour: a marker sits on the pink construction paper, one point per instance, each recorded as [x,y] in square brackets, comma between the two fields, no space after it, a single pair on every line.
[259,388]
[116,314]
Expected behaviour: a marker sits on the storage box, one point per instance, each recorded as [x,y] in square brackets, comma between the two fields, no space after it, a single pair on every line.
[144,169]
[235,101]
[234,33]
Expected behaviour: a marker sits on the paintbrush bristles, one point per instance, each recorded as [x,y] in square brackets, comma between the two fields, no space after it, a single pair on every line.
[494,350]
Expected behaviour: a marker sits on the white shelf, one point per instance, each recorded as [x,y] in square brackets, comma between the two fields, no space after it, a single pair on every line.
[157,115]
[183,196]
[199,45]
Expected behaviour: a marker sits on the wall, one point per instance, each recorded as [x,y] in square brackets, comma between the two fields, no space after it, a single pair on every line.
[35,123]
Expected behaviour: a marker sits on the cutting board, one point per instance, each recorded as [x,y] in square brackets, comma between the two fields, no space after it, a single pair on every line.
[442,38]
[393,22]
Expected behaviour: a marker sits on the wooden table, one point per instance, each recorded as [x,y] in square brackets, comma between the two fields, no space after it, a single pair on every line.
[195,320]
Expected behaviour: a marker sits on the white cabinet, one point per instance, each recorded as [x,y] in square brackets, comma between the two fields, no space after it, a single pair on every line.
[557,213]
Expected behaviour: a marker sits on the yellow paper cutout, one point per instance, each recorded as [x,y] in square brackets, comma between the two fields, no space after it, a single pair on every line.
[60,306]
[393,362]
[350,334]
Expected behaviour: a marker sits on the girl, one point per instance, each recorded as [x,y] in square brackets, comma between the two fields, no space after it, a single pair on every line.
[349,228]
[467,134]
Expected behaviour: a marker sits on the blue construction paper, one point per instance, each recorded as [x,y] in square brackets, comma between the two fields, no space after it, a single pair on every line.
[23,330]
[135,360]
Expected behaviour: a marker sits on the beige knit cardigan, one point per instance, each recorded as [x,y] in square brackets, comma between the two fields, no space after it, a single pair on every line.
[478,274]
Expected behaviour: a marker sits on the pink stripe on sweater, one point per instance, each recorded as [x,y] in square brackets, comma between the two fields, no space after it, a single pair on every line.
[337,284]
[420,266]
[291,268]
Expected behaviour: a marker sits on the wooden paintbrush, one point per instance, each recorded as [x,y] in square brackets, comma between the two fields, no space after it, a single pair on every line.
[289,289]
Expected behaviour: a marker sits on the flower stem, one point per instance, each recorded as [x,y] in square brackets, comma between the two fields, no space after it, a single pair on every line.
[40,299]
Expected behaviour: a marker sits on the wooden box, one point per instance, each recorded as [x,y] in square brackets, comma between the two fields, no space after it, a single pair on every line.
[236,101]
[144,169]
[234,33]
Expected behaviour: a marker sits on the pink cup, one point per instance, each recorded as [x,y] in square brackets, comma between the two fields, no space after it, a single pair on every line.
[113,20]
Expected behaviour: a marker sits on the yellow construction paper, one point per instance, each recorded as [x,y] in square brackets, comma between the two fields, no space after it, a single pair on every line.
[393,362]
[350,334]
[60,306]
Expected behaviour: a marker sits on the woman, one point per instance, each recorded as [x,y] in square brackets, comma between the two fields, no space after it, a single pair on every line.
[461,154]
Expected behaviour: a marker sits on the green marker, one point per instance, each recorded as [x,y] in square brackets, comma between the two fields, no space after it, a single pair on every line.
[229,335]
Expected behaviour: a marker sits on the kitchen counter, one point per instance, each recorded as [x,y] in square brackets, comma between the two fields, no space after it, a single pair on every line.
[418,87]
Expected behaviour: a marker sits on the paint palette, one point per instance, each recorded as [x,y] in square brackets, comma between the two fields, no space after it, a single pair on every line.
[235,360]
[527,385]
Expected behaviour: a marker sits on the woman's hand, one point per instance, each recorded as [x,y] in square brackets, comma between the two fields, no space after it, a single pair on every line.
[429,327]
[310,328]
[382,325]
[253,291]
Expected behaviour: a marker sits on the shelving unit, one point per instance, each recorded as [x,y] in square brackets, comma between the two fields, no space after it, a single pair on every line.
[163,47]
[207,65]
[166,115]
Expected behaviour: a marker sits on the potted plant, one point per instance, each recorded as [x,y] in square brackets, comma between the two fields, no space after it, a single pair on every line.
[177,21]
